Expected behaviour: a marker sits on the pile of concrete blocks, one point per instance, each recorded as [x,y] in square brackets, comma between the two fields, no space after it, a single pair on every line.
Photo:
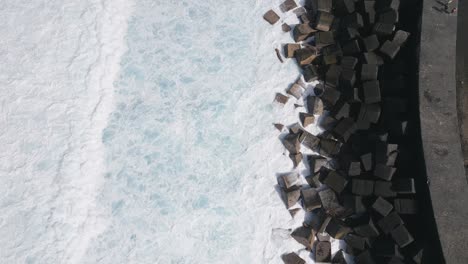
[353,48]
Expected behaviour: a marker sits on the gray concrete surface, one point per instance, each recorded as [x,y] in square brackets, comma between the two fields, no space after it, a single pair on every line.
[440,130]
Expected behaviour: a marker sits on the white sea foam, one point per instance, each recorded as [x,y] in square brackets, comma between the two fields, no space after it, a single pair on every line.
[188,169]
[60,60]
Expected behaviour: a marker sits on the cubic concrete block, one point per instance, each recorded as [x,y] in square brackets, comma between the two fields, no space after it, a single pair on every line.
[291,143]
[372,58]
[295,90]
[401,236]
[382,206]
[289,181]
[367,230]
[371,42]
[281,98]
[369,72]
[384,189]
[389,222]
[290,49]
[271,17]
[406,206]
[356,241]
[400,37]
[311,199]
[324,21]
[337,229]
[306,119]
[323,252]
[302,31]
[371,91]
[285,27]
[310,73]
[288,5]
[349,62]
[366,160]
[390,49]
[404,186]
[323,39]
[362,187]
[335,181]
[304,236]
[305,56]
[292,258]
[296,158]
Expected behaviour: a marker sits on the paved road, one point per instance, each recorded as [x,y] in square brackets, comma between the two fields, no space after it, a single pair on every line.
[440,125]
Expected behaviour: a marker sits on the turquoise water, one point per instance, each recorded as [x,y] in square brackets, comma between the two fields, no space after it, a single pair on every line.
[176,143]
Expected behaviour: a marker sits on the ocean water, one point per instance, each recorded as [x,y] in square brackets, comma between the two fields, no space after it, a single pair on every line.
[141,132]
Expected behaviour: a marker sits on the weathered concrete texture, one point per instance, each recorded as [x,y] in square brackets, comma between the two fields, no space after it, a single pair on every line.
[440,131]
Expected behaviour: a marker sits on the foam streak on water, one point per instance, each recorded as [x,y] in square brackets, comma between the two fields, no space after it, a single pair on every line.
[59,61]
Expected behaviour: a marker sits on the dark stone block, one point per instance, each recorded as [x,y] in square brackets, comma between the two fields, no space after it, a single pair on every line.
[304,236]
[349,62]
[351,47]
[369,6]
[306,119]
[324,5]
[369,113]
[304,19]
[371,91]
[384,189]
[348,77]
[400,37]
[340,111]
[330,95]
[354,203]
[329,147]
[295,90]
[302,31]
[364,258]
[404,186]
[310,73]
[371,16]
[316,162]
[349,6]
[344,129]
[289,182]
[354,168]
[339,258]
[290,50]
[323,252]
[356,241]
[292,258]
[311,199]
[401,236]
[362,187]
[291,143]
[353,20]
[279,127]
[371,42]
[331,205]
[367,230]
[323,39]
[390,49]
[305,56]
[281,98]
[324,21]
[369,72]
[335,181]
[382,206]
[290,198]
[372,58]
[406,206]
[366,160]
[327,122]
[389,222]
[383,29]
[300,11]
[271,17]
[384,172]
[333,75]
[337,229]
[296,159]
[288,5]
[388,17]
[314,180]
[310,141]
[285,27]
[395,260]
